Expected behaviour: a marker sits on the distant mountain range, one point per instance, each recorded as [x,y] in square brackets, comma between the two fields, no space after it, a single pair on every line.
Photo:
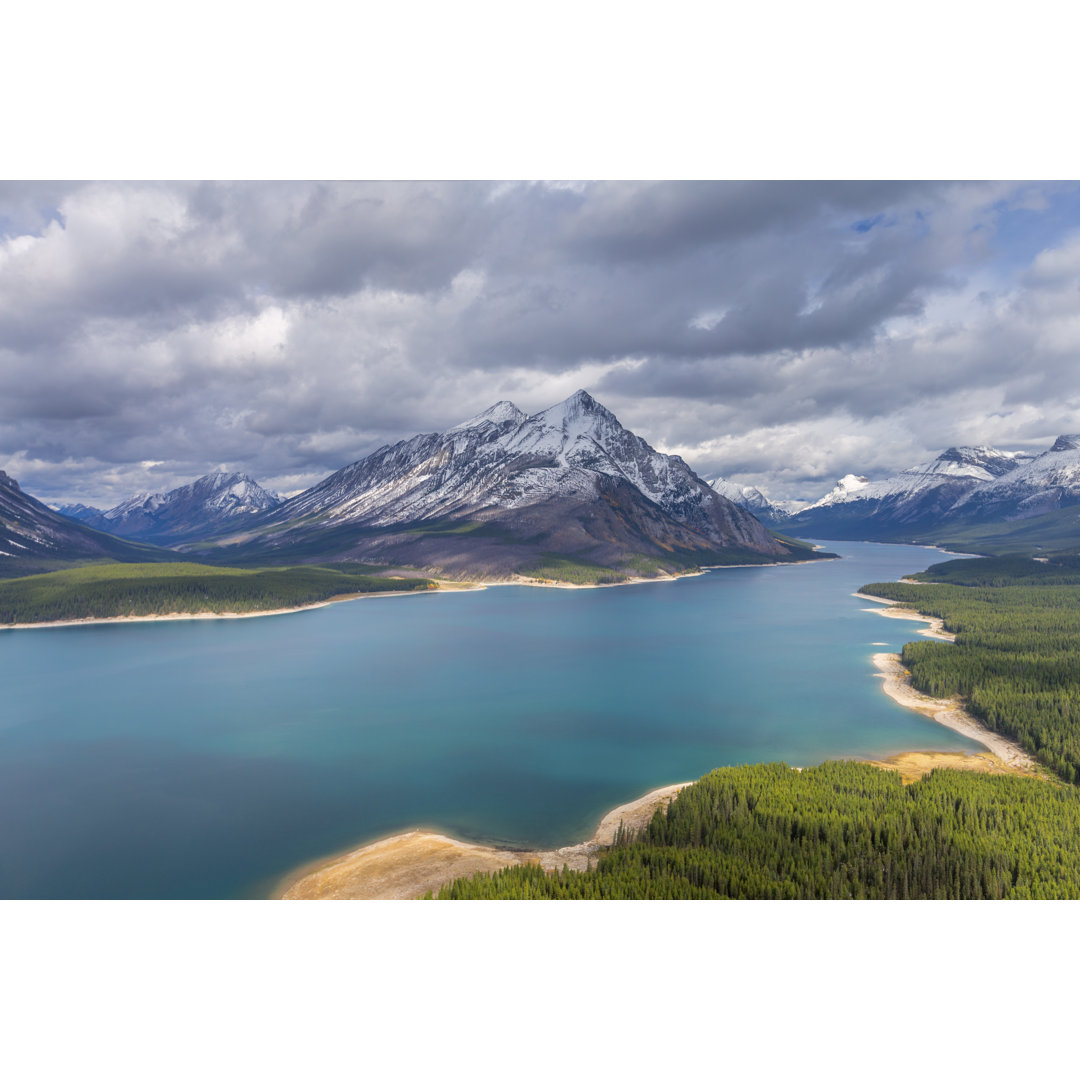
[506,493]
[963,486]
[212,504]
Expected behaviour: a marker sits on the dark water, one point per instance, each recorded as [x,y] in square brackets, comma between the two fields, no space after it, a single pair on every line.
[204,759]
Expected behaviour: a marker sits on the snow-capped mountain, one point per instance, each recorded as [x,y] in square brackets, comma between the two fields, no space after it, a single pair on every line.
[79,512]
[749,498]
[1037,485]
[846,489]
[568,480]
[773,514]
[916,498]
[34,538]
[211,504]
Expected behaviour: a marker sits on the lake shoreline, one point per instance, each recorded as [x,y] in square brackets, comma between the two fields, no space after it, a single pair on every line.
[407,865]
[443,586]
[410,864]
[186,616]
[897,683]
[895,610]
[950,713]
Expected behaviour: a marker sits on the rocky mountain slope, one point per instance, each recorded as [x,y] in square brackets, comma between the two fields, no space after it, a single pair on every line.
[211,504]
[34,538]
[505,491]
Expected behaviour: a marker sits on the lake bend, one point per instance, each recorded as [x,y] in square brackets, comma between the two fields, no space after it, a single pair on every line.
[197,759]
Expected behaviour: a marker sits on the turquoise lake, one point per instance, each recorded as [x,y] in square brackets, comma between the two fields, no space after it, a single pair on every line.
[204,759]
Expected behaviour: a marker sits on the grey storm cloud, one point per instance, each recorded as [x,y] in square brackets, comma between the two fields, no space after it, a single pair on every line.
[778,333]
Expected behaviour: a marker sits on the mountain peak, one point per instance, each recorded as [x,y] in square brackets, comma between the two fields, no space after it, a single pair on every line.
[568,478]
[9,481]
[583,402]
[207,504]
[964,453]
[499,413]
[1065,442]
[582,398]
[217,480]
[578,405]
[851,482]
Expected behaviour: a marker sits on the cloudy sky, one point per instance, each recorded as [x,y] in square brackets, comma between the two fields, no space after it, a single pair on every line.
[778,334]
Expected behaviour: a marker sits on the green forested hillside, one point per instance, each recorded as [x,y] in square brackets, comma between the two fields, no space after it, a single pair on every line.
[835,831]
[109,590]
[1005,570]
[1058,530]
[1016,659]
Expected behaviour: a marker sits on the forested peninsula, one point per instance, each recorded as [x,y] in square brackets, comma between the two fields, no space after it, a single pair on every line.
[145,590]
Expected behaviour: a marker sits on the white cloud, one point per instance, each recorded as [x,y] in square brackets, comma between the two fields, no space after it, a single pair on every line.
[286,329]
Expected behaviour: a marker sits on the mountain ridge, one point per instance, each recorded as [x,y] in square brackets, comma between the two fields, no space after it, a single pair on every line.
[568,481]
[204,506]
[962,485]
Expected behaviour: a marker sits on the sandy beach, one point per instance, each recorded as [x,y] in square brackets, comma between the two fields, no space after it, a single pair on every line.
[406,866]
[894,611]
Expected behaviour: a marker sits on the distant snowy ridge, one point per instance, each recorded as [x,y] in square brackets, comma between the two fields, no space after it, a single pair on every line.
[749,498]
[210,504]
[964,483]
[1036,486]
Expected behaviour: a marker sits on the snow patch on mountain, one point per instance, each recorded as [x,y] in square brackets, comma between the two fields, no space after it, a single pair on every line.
[1036,486]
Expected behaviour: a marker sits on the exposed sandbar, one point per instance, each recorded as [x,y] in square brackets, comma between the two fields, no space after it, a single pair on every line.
[893,611]
[406,866]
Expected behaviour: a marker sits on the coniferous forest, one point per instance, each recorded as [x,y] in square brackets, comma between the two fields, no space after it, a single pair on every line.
[841,830]
[118,589]
[1016,659]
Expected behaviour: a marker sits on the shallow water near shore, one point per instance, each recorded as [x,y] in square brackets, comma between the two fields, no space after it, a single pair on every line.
[205,759]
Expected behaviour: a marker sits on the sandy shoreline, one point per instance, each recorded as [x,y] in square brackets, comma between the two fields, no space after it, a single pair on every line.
[896,682]
[406,866]
[183,616]
[895,611]
[442,585]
